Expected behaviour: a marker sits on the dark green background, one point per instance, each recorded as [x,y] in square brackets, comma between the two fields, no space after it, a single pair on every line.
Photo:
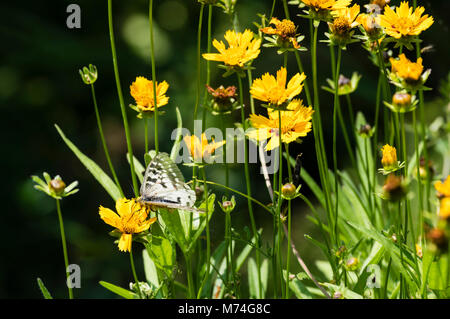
[40,86]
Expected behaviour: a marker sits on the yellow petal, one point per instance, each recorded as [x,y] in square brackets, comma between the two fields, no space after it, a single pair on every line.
[109,217]
[125,242]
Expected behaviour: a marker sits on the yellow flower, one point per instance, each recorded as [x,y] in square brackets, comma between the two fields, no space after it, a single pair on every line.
[327,5]
[242,48]
[344,20]
[295,123]
[201,149]
[274,91]
[131,218]
[142,92]
[389,159]
[404,22]
[443,188]
[406,69]
[285,29]
[419,250]
[444,210]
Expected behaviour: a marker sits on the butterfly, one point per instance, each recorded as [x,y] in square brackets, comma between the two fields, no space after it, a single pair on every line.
[163,186]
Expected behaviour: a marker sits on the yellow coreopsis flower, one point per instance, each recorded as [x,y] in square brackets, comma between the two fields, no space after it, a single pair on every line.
[131,218]
[389,159]
[295,123]
[404,22]
[406,69]
[242,48]
[274,90]
[142,92]
[327,5]
[444,210]
[344,19]
[200,150]
[285,29]
[443,188]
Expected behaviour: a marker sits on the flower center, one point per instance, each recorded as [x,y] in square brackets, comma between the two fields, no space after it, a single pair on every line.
[286,28]
[341,26]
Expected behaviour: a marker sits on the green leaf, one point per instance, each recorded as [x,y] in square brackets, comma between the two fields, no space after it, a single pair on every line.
[127,294]
[179,136]
[161,252]
[151,274]
[172,223]
[393,251]
[253,282]
[43,289]
[93,168]
[439,273]
[302,291]
[202,218]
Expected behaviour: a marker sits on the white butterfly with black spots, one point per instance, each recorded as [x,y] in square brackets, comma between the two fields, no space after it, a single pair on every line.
[164,186]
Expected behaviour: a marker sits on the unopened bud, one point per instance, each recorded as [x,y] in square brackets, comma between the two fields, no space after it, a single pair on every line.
[57,185]
[288,190]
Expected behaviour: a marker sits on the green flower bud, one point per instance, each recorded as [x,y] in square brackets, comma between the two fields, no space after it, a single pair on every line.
[89,76]
[57,185]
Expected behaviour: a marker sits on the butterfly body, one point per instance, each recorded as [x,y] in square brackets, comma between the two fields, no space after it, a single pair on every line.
[164,187]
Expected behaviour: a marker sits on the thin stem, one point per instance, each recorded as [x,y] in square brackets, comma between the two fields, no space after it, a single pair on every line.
[286,9]
[336,184]
[105,146]
[199,49]
[152,52]
[191,289]
[306,86]
[247,179]
[146,135]
[208,239]
[288,253]
[208,65]
[280,185]
[64,244]
[227,173]
[121,101]
[419,180]
[273,9]
[134,273]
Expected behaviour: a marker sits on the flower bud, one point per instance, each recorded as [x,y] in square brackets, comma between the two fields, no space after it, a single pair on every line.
[57,185]
[389,159]
[89,76]
[365,130]
[227,205]
[338,295]
[394,189]
[288,191]
[341,251]
[419,251]
[352,264]
[401,100]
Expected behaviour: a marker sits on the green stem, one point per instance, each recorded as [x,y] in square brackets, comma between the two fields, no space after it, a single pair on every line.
[286,9]
[199,49]
[191,289]
[318,132]
[280,185]
[227,173]
[273,9]
[208,239]
[419,180]
[134,273]
[152,52]
[146,135]
[336,178]
[64,244]
[306,86]
[105,146]
[288,253]
[247,179]
[208,66]
[121,101]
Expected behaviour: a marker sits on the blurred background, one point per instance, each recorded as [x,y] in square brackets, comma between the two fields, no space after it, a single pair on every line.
[40,86]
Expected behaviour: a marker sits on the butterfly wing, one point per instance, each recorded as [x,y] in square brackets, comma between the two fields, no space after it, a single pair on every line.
[164,185]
